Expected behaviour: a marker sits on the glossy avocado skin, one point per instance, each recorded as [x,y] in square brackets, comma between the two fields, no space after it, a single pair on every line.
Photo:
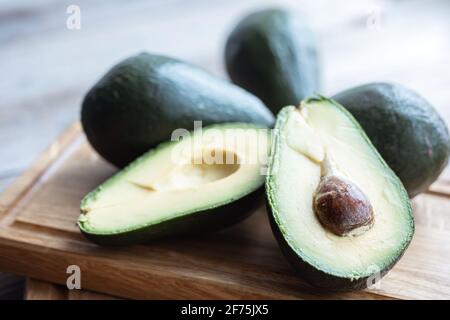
[272,54]
[406,130]
[141,100]
[187,225]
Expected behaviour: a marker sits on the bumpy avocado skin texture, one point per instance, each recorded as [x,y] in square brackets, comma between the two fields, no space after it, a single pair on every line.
[272,54]
[315,276]
[143,99]
[406,130]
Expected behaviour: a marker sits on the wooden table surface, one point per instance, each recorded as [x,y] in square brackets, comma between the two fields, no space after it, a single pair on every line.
[46,68]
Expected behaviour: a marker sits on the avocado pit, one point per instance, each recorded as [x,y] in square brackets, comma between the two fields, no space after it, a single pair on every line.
[342,207]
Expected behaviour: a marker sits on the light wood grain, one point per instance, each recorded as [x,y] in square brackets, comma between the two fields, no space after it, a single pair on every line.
[39,238]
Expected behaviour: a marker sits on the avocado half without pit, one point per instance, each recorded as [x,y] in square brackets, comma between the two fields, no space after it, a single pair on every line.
[208,180]
[339,213]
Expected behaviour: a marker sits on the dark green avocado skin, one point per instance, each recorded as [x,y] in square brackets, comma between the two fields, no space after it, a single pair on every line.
[272,54]
[188,225]
[141,100]
[406,130]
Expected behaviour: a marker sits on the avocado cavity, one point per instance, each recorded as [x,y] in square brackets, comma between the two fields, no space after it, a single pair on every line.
[202,169]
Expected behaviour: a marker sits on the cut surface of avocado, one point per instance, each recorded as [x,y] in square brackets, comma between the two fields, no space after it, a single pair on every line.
[325,258]
[190,178]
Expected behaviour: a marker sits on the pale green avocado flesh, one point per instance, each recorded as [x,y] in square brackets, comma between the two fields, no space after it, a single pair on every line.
[198,174]
[304,137]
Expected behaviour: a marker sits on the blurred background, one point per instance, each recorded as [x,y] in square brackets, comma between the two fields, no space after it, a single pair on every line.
[47,62]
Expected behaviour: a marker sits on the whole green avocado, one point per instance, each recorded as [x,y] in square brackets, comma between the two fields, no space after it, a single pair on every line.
[406,130]
[272,53]
[143,99]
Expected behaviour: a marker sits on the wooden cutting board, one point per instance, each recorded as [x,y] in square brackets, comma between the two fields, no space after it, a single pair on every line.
[39,239]
[43,290]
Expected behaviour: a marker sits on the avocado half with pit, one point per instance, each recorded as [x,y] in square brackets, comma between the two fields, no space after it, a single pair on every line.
[339,213]
[208,180]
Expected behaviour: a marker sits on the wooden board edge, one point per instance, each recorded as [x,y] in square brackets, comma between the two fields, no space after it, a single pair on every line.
[42,290]
[28,178]
[440,188]
[104,271]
